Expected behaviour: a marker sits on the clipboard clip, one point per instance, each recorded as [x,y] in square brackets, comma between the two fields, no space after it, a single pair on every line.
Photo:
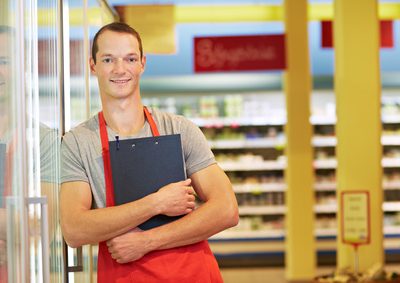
[117,143]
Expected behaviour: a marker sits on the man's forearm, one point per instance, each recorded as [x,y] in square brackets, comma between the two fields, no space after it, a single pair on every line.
[218,212]
[81,225]
[199,225]
[97,225]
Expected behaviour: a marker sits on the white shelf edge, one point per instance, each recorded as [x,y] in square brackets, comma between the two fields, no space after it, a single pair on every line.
[257,166]
[277,233]
[273,120]
[249,234]
[281,187]
[318,208]
[387,162]
[262,210]
[317,141]
[259,188]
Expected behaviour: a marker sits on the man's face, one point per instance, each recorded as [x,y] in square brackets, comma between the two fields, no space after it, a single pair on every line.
[118,64]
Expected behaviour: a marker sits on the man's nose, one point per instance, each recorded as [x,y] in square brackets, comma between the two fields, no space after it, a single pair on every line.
[119,65]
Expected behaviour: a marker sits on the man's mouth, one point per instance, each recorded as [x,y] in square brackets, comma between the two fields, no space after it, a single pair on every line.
[120,81]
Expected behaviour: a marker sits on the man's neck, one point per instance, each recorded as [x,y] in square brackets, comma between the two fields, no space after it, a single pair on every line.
[124,116]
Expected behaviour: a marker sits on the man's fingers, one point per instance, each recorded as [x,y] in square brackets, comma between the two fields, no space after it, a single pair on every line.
[186,182]
[190,190]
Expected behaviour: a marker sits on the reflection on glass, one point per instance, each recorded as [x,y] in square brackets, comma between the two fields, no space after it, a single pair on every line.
[29,146]
[48,115]
[6,146]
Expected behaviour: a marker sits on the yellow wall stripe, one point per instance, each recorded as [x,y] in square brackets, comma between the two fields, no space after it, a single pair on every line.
[221,14]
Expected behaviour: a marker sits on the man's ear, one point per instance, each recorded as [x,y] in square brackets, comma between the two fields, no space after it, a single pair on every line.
[143,62]
[92,64]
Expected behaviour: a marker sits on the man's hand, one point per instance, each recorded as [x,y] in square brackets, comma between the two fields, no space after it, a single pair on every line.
[176,198]
[128,247]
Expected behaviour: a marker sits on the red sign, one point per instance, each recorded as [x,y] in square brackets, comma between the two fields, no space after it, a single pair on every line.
[386,34]
[239,53]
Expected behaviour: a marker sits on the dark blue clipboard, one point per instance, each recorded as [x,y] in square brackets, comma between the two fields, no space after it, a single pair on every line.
[142,166]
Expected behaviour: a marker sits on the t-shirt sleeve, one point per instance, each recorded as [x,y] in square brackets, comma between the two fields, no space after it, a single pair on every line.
[72,168]
[198,154]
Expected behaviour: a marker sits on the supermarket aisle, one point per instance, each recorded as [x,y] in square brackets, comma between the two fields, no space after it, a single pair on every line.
[253,275]
[261,275]
[276,275]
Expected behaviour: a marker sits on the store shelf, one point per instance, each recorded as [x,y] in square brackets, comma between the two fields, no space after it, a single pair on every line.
[393,206]
[281,165]
[392,230]
[317,141]
[388,231]
[331,186]
[281,187]
[250,150]
[322,120]
[325,208]
[255,166]
[325,232]
[258,234]
[259,188]
[262,210]
[332,207]
[391,185]
[238,121]
[255,121]
[248,143]
[391,119]
[387,162]
[390,140]
[280,233]
[318,208]
[325,187]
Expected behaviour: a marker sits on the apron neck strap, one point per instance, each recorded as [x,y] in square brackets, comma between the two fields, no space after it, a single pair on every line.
[106,161]
[150,119]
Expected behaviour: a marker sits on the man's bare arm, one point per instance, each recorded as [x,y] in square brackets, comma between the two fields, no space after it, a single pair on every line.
[218,213]
[81,225]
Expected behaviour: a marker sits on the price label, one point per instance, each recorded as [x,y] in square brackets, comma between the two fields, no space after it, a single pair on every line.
[355,217]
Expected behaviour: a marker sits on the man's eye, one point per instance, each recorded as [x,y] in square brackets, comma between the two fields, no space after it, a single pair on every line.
[132,60]
[107,60]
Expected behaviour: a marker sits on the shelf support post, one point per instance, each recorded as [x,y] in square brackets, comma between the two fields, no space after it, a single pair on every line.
[299,176]
[358,128]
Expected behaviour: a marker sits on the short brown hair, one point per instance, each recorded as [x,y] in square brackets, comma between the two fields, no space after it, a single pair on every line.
[116,27]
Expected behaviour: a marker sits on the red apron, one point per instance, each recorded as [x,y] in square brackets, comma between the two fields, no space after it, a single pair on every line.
[187,264]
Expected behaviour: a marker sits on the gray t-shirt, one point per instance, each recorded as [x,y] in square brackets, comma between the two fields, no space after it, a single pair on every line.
[81,152]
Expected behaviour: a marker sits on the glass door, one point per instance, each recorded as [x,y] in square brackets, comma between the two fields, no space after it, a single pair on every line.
[82,20]
[30,237]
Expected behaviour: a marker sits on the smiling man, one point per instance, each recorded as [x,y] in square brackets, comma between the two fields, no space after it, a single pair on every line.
[173,252]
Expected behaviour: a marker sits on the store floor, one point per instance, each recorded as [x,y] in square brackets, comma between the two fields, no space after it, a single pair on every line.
[261,275]
[275,275]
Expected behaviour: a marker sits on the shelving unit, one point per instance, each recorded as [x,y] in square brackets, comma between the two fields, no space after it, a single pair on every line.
[250,149]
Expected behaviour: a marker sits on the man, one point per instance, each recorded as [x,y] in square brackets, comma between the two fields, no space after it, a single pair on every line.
[174,252]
